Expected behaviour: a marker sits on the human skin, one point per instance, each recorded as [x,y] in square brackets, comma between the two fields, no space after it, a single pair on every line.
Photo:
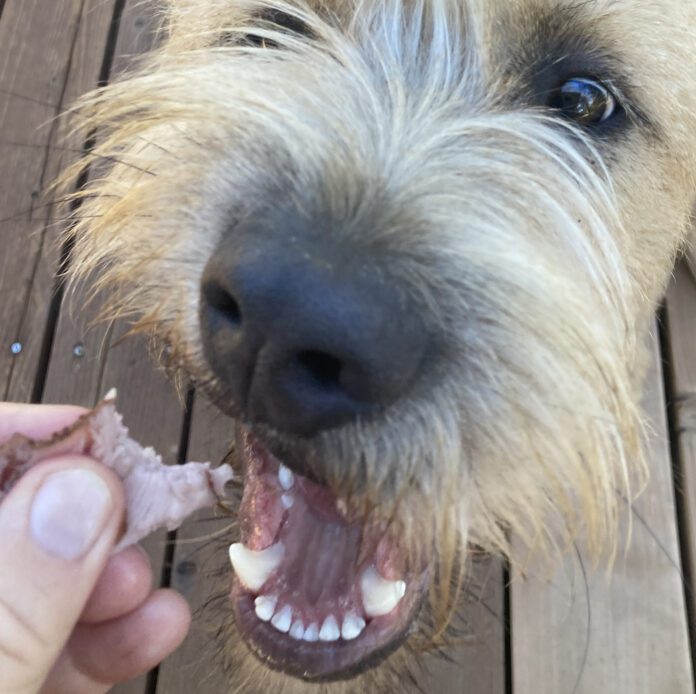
[73,618]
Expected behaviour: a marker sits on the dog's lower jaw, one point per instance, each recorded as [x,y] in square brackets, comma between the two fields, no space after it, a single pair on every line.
[318,662]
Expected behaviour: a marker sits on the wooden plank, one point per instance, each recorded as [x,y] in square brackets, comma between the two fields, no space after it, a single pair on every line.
[621,633]
[81,345]
[88,358]
[475,663]
[31,84]
[138,33]
[85,67]
[37,151]
[681,315]
[35,84]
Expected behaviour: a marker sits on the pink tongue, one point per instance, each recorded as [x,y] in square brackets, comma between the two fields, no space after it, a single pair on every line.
[318,576]
[321,557]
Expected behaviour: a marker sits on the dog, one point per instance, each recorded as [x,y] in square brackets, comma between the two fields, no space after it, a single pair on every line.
[413,247]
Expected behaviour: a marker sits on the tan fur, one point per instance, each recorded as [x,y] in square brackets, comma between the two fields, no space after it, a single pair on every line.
[540,251]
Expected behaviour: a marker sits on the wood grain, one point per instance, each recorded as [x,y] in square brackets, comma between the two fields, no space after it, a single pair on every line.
[584,633]
[476,661]
[49,53]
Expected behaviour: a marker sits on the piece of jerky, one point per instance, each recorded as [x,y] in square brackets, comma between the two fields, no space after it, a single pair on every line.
[157,495]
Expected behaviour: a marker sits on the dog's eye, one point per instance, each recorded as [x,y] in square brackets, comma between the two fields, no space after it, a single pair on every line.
[275,20]
[584,100]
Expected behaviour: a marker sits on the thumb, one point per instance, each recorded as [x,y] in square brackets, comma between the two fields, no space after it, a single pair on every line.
[57,529]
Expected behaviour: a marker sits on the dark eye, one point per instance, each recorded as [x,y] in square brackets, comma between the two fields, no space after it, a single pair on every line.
[585,101]
[275,20]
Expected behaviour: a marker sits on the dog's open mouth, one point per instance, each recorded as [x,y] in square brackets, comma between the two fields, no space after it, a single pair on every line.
[316,594]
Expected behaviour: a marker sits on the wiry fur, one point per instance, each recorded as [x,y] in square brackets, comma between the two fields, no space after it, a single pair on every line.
[538,249]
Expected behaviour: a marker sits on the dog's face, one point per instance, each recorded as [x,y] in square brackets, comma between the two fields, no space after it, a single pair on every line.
[412,247]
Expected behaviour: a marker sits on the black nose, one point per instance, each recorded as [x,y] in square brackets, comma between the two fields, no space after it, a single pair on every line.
[306,336]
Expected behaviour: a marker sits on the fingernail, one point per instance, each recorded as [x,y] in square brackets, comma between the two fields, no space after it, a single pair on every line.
[68,513]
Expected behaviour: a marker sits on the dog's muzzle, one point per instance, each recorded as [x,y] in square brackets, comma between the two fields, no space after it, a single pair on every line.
[305,335]
[317,594]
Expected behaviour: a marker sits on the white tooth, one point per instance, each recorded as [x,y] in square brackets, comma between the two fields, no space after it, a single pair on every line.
[297,630]
[352,626]
[254,567]
[380,596]
[311,633]
[265,606]
[287,500]
[285,477]
[329,629]
[283,619]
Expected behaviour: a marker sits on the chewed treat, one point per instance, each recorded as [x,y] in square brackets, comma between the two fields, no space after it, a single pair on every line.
[157,495]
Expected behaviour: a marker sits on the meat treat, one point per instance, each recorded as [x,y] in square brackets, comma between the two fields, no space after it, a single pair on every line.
[157,495]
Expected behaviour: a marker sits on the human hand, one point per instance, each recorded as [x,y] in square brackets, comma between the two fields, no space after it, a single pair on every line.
[73,619]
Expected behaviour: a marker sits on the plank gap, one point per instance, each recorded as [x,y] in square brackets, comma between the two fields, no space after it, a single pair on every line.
[111,42]
[679,479]
[507,628]
[170,546]
[151,681]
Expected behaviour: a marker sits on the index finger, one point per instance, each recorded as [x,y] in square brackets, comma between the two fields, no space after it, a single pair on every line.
[35,421]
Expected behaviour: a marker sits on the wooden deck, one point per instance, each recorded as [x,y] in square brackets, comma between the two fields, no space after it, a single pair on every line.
[531,634]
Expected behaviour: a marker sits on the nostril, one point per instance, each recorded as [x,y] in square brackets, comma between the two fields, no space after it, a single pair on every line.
[221,301]
[322,368]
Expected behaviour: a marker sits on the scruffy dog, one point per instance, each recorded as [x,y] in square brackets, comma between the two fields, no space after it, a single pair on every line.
[413,247]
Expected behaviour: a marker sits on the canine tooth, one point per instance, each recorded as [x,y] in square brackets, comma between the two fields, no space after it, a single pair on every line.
[352,626]
[283,619]
[380,596]
[265,606]
[287,500]
[329,629]
[297,630]
[285,477]
[311,633]
[254,567]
